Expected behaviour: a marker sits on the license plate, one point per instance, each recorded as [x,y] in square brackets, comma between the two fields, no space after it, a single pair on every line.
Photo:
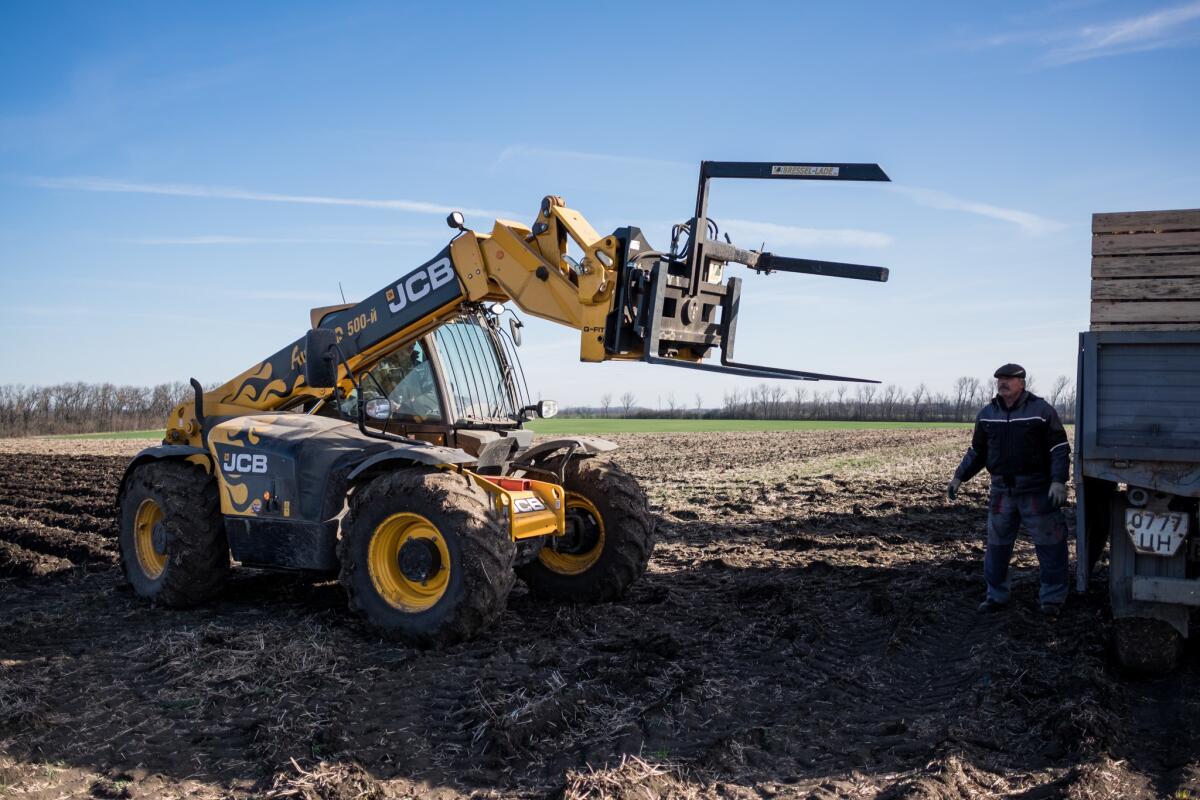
[1158,533]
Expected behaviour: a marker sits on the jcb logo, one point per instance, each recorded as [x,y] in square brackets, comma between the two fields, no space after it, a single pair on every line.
[524,504]
[244,462]
[419,283]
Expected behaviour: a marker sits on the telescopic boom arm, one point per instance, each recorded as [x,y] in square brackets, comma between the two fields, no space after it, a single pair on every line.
[627,300]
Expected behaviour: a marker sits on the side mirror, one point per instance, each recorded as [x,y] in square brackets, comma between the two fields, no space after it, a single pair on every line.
[320,358]
[514,328]
[379,408]
[543,409]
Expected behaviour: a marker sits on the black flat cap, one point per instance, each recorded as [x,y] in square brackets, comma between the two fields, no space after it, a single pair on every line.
[1010,371]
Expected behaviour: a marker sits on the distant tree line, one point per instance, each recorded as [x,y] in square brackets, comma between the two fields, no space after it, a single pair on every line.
[86,407]
[89,407]
[843,401]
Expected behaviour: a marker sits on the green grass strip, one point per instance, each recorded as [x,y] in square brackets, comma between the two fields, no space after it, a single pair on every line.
[585,426]
[113,435]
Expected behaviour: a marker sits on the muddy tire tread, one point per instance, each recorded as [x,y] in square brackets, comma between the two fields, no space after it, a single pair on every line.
[489,576]
[620,566]
[197,550]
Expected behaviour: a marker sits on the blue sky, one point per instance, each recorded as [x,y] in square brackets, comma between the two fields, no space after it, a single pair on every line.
[179,184]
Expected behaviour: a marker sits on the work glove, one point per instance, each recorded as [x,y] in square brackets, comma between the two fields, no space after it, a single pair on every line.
[952,488]
[1057,494]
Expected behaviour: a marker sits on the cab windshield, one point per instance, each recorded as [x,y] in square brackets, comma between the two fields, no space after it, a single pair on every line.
[482,384]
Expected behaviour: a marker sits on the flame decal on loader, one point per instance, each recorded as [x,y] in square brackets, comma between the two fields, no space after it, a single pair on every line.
[268,379]
[258,387]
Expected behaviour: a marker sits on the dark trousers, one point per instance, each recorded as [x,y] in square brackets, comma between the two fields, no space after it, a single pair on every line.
[1006,511]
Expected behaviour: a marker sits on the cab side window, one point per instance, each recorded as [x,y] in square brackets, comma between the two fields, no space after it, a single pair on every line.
[406,379]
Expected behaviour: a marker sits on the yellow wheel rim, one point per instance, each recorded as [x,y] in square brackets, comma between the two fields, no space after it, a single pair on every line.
[580,548]
[409,562]
[149,515]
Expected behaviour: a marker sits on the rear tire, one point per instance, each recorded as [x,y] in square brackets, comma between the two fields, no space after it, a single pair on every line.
[609,541]
[171,534]
[1147,646]
[425,557]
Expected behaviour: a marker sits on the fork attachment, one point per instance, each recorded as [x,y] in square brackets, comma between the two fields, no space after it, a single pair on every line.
[680,308]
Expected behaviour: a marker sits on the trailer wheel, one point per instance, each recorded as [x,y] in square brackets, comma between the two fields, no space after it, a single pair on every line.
[171,534]
[609,537]
[1147,646]
[425,557]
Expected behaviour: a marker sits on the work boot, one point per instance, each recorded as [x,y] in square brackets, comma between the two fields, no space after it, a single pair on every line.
[990,606]
[1050,609]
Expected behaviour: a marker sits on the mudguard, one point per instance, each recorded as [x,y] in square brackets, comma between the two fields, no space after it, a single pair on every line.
[159,453]
[588,445]
[431,455]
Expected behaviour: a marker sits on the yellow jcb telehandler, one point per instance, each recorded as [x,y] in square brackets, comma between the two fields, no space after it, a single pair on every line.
[387,445]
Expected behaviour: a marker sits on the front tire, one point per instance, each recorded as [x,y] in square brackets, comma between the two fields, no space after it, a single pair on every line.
[171,534]
[425,557]
[609,538]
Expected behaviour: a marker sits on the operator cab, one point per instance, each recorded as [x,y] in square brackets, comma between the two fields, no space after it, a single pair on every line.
[449,387]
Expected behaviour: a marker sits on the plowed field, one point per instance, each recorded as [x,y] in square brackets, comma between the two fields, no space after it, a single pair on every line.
[807,628]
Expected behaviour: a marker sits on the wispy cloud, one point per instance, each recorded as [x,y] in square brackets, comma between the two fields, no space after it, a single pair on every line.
[127,316]
[331,295]
[517,152]
[90,184]
[1026,221]
[1148,32]
[241,240]
[1173,26]
[746,231]
[839,237]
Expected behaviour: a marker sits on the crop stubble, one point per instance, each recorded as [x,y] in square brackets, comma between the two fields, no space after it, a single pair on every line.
[806,629]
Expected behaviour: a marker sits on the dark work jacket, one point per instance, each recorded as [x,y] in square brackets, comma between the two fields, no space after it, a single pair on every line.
[1024,447]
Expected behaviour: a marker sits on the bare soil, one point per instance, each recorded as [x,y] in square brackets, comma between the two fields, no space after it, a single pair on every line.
[806,629]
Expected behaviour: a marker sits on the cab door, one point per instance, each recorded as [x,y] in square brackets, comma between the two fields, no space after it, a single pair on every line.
[409,379]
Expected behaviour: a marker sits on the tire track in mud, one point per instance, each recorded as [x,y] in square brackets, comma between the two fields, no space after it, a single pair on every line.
[76,546]
[879,680]
[17,562]
[852,635]
[57,512]
[60,513]
[929,691]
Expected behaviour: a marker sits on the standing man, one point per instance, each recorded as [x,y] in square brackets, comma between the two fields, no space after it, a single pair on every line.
[1021,441]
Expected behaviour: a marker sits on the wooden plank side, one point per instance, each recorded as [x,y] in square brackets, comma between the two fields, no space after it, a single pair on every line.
[1141,221]
[1144,326]
[1144,436]
[1186,392]
[1146,243]
[1146,289]
[1169,311]
[1148,358]
[1154,423]
[1146,266]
